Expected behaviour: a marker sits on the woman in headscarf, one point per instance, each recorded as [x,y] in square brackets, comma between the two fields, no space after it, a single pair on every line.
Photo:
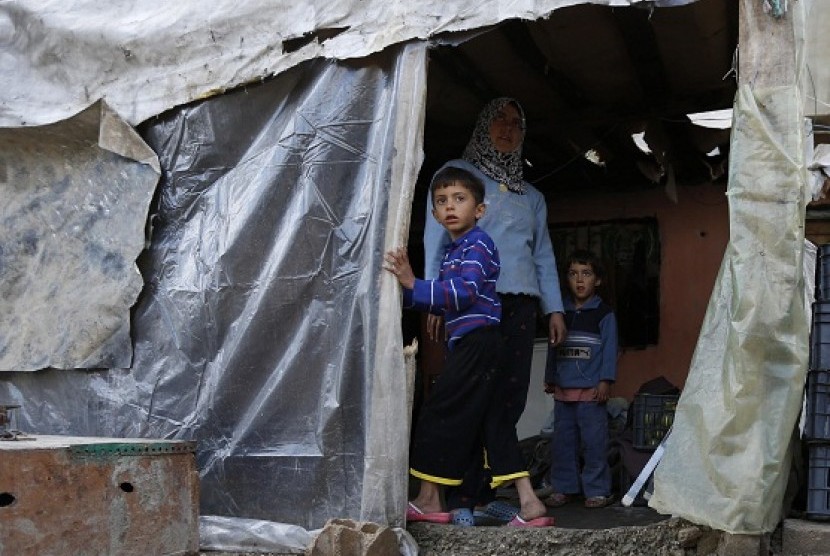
[516,219]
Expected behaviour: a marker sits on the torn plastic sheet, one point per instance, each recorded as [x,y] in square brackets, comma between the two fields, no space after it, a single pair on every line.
[267,331]
[819,171]
[814,41]
[727,460]
[249,535]
[810,254]
[75,201]
[145,57]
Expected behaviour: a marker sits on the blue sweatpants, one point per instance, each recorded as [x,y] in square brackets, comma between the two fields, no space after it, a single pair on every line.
[580,428]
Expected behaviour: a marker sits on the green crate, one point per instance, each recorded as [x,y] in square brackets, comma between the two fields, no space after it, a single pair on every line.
[653,416]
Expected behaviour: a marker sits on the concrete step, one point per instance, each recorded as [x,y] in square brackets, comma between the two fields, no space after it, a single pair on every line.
[800,536]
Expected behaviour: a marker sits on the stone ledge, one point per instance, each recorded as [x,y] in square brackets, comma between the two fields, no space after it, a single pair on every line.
[800,536]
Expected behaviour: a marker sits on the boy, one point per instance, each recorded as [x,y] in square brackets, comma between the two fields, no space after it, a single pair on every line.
[579,375]
[463,406]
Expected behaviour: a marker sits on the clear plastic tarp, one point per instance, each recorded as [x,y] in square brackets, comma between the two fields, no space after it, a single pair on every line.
[266,329]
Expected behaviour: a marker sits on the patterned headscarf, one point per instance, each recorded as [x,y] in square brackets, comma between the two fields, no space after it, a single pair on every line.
[505,168]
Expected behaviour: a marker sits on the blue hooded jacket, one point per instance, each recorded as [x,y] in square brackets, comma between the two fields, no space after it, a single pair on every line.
[589,353]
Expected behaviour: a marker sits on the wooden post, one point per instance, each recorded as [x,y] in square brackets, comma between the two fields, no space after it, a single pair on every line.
[766,47]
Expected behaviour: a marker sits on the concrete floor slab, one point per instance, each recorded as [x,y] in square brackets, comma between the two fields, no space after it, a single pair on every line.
[800,536]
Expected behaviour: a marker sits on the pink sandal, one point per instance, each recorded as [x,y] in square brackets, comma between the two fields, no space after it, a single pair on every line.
[414,513]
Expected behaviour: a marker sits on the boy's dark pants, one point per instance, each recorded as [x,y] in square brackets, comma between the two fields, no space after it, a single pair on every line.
[518,329]
[459,414]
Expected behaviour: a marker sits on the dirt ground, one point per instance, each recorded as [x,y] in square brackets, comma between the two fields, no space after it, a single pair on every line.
[660,539]
[671,537]
[615,530]
[668,537]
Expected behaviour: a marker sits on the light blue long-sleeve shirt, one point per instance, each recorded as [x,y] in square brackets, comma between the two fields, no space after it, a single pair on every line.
[518,225]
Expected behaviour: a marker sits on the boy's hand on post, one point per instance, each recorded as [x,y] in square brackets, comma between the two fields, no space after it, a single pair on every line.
[556,328]
[397,262]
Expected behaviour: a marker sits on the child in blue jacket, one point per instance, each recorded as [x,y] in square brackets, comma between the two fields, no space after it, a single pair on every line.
[579,375]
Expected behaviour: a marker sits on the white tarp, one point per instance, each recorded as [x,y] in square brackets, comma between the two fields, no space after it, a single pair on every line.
[75,200]
[815,79]
[728,457]
[144,57]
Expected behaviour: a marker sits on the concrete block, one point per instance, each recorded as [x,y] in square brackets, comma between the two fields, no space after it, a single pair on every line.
[708,543]
[742,545]
[98,496]
[800,536]
[688,537]
[345,537]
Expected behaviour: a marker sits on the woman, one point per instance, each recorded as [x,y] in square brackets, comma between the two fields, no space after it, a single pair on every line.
[516,219]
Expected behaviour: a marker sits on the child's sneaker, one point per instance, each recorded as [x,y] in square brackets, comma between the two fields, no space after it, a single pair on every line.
[463,517]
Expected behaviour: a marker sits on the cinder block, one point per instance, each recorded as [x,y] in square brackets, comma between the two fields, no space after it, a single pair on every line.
[743,545]
[98,496]
[345,537]
[799,536]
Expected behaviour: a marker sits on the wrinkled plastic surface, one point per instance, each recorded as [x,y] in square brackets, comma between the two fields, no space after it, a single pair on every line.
[819,171]
[249,535]
[74,206]
[216,364]
[60,56]
[146,57]
[815,80]
[727,459]
[267,330]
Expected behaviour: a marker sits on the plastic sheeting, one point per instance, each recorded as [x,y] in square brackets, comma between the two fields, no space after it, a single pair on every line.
[819,171]
[815,82]
[144,57]
[267,330]
[728,457]
[75,200]
[249,535]
[56,58]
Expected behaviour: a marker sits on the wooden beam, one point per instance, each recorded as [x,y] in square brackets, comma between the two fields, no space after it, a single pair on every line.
[766,46]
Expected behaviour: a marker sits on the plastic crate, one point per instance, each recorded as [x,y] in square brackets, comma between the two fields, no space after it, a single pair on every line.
[818,482]
[820,336]
[653,416]
[823,272]
[817,417]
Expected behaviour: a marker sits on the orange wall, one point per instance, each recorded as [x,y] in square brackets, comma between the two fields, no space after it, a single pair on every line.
[693,235]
